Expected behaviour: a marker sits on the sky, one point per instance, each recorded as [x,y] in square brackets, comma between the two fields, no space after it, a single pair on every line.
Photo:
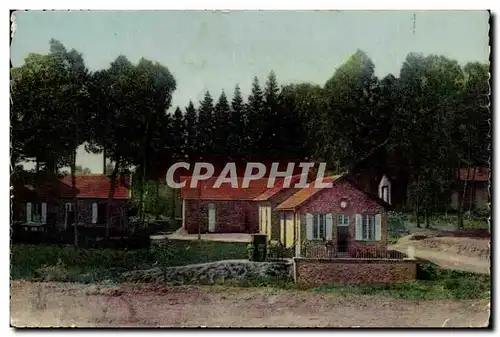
[215,50]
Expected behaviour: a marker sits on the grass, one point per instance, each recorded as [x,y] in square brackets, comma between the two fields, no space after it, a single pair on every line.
[92,265]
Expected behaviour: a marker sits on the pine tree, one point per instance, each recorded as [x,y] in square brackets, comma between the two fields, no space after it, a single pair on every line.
[221,131]
[255,121]
[271,132]
[178,135]
[237,137]
[206,126]
[191,140]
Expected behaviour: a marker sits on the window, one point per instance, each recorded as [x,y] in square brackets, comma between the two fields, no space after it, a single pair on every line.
[368,227]
[102,214]
[319,226]
[385,193]
[342,220]
[36,212]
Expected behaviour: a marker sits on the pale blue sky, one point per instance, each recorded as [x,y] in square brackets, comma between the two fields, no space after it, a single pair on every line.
[215,50]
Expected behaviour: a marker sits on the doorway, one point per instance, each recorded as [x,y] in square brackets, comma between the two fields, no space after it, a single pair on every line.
[342,233]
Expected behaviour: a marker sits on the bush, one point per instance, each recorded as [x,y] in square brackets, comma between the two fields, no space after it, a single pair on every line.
[57,272]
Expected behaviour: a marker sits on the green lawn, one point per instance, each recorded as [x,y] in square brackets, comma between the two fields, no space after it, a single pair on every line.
[100,264]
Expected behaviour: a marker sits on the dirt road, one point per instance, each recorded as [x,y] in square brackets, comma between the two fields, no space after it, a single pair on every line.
[466,254]
[58,304]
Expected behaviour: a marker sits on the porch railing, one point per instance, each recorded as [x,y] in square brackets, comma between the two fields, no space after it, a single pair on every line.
[322,251]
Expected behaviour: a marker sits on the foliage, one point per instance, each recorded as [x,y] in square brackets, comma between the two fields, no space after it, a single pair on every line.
[428,122]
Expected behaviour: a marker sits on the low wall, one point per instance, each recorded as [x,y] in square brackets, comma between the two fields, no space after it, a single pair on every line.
[316,272]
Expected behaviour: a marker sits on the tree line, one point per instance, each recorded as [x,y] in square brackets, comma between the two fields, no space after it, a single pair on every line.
[432,119]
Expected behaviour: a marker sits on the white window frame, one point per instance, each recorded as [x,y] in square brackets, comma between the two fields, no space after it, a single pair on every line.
[368,227]
[36,212]
[342,220]
[319,222]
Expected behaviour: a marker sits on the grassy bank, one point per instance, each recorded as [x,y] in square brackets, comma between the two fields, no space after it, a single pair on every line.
[51,263]
[92,265]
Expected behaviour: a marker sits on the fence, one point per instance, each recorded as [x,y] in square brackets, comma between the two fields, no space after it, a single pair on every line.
[330,252]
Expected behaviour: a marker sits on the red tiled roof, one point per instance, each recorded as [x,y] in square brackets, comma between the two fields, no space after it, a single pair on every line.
[207,191]
[480,174]
[98,185]
[279,187]
[301,196]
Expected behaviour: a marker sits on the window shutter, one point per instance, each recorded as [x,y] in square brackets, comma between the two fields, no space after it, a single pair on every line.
[28,212]
[329,226]
[359,227]
[309,224]
[94,212]
[44,212]
[378,227]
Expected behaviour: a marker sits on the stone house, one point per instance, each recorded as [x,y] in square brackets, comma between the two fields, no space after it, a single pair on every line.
[49,201]
[340,219]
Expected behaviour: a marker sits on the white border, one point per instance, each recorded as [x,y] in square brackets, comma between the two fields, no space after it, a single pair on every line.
[187,4]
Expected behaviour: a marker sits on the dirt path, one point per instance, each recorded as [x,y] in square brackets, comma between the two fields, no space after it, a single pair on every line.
[444,254]
[57,304]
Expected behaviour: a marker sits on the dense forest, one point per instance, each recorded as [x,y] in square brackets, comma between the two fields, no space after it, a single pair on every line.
[433,118]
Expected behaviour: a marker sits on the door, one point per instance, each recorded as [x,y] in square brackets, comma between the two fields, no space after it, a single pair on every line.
[342,233]
[211,217]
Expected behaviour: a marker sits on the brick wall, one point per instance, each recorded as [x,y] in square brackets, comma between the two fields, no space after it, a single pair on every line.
[231,216]
[316,272]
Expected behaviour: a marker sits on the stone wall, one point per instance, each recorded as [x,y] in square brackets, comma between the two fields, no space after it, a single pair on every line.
[316,272]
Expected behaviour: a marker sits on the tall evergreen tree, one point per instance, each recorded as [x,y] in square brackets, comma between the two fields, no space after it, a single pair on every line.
[256,123]
[191,121]
[221,127]
[179,135]
[206,126]
[238,133]
[273,129]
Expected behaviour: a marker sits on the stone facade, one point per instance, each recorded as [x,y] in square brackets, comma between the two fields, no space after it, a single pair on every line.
[317,272]
[328,201]
[231,216]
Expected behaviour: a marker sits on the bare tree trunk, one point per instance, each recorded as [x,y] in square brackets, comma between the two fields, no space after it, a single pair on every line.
[104,161]
[75,201]
[157,199]
[417,205]
[426,215]
[472,191]
[462,199]
[199,213]
[172,210]
[111,194]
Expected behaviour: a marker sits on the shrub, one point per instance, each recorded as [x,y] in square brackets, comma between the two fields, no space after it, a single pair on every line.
[164,255]
[57,272]
[276,251]
[250,251]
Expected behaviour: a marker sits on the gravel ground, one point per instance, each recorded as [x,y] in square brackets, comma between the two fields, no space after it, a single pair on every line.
[145,305]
